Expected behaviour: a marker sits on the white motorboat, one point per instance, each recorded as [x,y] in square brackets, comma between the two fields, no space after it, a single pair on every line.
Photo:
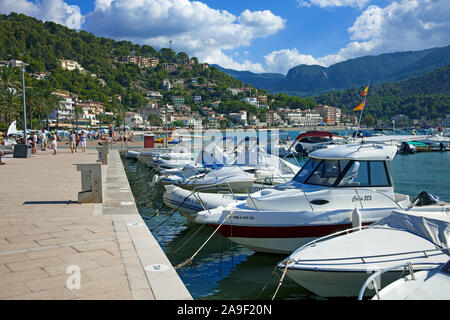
[131,154]
[338,265]
[181,151]
[433,284]
[318,201]
[252,170]
[189,202]
[211,157]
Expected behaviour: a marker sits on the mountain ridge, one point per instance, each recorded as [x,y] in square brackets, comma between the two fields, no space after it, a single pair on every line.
[309,80]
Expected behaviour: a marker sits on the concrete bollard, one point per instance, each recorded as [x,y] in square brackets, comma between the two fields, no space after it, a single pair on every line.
[91,183]
[103,152]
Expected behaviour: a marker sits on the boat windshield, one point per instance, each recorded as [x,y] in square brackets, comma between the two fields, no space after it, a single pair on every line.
[321,172]
[344,173]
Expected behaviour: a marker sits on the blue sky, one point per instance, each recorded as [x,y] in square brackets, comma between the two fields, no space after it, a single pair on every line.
[257,35]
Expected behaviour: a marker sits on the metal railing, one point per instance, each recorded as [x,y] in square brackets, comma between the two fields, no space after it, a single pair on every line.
[373,278]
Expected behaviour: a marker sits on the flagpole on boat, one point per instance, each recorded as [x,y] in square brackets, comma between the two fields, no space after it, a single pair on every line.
[362,110]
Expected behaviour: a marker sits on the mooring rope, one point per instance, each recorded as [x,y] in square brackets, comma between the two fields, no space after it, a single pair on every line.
[281,279]
[189,239]
[189,260]
[268,280]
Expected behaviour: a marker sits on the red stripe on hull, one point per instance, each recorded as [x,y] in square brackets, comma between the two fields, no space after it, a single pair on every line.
[280,232]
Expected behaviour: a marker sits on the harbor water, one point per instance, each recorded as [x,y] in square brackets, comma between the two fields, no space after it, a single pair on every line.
[224,270]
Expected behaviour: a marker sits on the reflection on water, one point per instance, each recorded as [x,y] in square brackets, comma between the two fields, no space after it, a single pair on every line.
[224,270]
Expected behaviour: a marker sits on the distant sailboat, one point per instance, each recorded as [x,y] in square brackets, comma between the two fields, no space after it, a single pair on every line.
[12,129]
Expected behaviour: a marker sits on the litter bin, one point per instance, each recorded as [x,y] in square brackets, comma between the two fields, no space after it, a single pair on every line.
[149,141]
[22,151]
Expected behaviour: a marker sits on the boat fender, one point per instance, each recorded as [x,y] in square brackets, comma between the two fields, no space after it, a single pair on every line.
[356,218]
[155,180]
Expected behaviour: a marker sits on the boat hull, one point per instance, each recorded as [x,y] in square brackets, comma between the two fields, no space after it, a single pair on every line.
[277,240]
[338,284]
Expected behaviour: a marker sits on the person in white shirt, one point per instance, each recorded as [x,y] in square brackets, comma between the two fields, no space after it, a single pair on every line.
[43,140]
[72,141]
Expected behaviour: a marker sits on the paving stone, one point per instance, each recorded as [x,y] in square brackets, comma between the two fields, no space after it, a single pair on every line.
[22,276]
[10,258]
[59,269]
[61,293]
[34,264]
[43,284]
[13,289]
[51,253]
[142,294]
[105,272]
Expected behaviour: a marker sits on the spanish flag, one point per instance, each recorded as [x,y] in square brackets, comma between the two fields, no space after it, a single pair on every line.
[359,107]
[365,91]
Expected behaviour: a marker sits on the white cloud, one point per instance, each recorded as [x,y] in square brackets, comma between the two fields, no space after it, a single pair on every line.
[400,26]
[192,26]
[281,61]
[216,56]
[333,3]
[52,10]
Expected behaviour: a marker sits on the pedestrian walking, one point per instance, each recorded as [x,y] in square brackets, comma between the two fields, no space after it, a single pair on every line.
[72,141]
[54,142]
[83,141]
[77,141]
[43,140]
[33,142]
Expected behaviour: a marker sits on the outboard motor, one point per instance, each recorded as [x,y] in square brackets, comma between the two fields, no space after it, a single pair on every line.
[405,147]
[300,150]
[425,199]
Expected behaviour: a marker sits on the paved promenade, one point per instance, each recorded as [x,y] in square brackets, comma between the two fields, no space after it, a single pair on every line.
[49,243]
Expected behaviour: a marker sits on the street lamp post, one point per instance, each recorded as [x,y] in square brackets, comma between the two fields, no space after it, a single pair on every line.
[24,106]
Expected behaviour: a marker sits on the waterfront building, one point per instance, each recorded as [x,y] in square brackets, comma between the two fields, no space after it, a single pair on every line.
[65,110]
[330,115]
[303,117]
[133,119]
[273,118]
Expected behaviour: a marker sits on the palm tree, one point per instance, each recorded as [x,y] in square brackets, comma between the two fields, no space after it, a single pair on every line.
[9,78]
[31,99]
[77,111]
[50,102]
[40,108]
[9,83]
[11,104]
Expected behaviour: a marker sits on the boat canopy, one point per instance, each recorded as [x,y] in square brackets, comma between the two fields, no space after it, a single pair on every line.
[320,134]
[256,156]
[375,152]
[433,226]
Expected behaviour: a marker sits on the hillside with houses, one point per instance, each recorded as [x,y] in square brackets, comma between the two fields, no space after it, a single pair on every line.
[74,78]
